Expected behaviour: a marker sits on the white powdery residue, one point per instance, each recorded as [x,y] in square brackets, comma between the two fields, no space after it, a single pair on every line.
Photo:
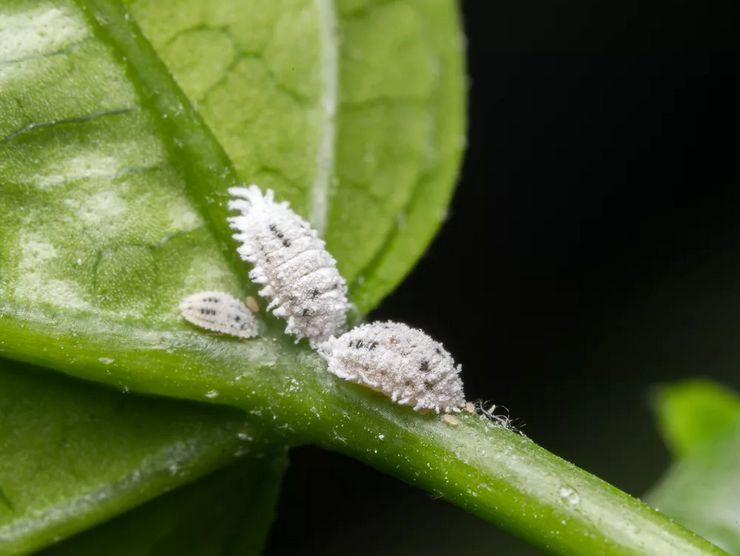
[35,270]
[70,162]
[35,286]
[36,251]
[84,166]
[99,208]
[39,31]
[182,217]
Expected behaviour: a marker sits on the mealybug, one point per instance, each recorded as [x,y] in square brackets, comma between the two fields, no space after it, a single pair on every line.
[399,361]
[219,312]
[299,275]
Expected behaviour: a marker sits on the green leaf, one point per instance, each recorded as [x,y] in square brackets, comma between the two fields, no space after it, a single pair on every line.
[74,149]
[74,454]
[400,137]
[226,513]
[94,174]
[356,117]
[694,412]
[700,421]
[702,490]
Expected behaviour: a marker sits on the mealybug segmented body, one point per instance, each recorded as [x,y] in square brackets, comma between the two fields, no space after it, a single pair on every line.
[399,361]
[299,275]
[219,312]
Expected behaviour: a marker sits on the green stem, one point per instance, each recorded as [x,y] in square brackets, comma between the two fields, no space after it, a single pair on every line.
[480,466]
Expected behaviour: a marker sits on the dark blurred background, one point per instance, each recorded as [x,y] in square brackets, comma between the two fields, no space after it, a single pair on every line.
[602,186]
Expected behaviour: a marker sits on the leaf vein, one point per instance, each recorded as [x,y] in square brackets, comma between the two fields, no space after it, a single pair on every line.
[321,189]
[63,121]
[66,50]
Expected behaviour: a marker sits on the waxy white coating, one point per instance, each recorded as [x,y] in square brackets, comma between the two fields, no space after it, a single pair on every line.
[402,362]
[219,312]
[299,275]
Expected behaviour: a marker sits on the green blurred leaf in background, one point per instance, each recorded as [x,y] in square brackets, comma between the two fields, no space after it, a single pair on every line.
[700,421]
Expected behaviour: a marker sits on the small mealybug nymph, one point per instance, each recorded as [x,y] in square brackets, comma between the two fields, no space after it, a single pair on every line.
[399,361]
[299,275]
[219,312]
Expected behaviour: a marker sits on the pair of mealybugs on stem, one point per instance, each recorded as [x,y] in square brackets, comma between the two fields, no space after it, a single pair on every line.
[304,287]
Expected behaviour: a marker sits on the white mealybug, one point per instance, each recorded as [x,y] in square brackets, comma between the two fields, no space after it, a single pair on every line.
[219,312]
[399,361]
[300,276]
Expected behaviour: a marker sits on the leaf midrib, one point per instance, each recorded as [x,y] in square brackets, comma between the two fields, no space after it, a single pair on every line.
[207,166]
[325,155]
[193,148]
